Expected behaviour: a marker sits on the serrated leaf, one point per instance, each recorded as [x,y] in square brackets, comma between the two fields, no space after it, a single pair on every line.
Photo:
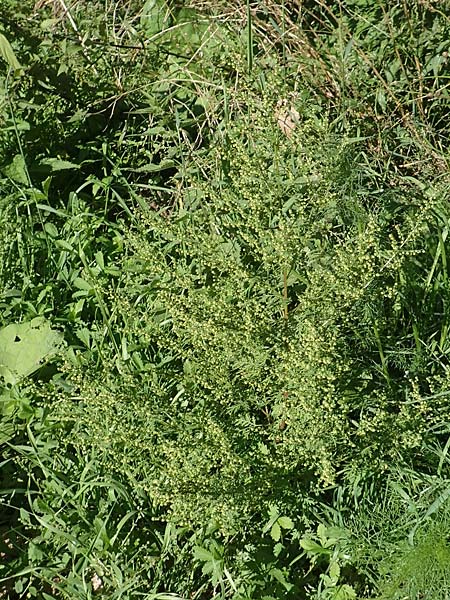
[322,532]
[34,552]
[345,592]
[329,583]
[335,571]
[57,164]
[275,532]
[153,17]
[25,346]
[82,284]
[277,549]
[6,430]
[16,170]
[7,53]
[286,523]
[202,554]
[154,168]
[311,546]
[24,516]
[281,578]
[84,335]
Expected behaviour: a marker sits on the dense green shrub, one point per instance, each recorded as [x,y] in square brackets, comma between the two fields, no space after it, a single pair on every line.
[244,312]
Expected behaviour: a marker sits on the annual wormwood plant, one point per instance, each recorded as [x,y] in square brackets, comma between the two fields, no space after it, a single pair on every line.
[243,311]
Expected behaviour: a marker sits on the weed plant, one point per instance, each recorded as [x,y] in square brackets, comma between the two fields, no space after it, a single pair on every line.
[235,217]
[273,401]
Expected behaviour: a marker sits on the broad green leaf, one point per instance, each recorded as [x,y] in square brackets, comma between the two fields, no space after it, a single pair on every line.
[322,532]
[335,571]
[277,549]
[154,16]
[51,229]
[381,98]
[63,245]
[279,576]
[7,404]
[100,259]
[286,523]
[202,554]
[275,532]
[56,164]
[49,24]
[6,430]
[191,30]
[344,592]
[24,347]
[154,168]
[273,516]
[7,53]
[16,170]
[82,284]
[311,546]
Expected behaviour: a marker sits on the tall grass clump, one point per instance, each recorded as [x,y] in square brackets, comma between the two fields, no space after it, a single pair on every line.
[399,532]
